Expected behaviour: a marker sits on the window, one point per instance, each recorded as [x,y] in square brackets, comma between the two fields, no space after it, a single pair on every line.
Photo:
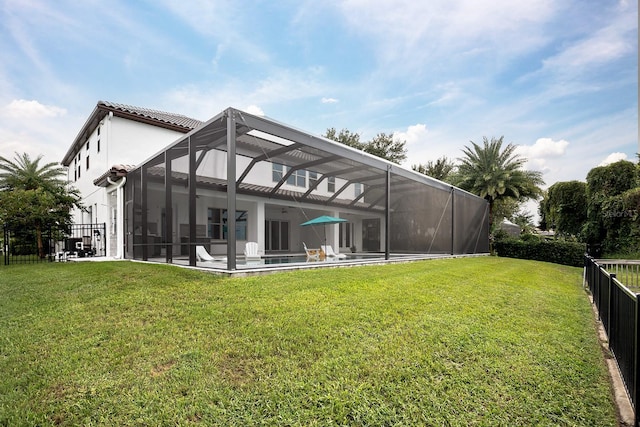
[331,184]
[358,189]
[98,145]
[78,171]
[87,146]
[313,178]
[87,167]
[277,172]
[298,178]
[217,224]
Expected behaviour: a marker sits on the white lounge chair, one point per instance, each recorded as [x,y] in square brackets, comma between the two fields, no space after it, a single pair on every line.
[328,250]
[203,256]
[251,252]
[313,253]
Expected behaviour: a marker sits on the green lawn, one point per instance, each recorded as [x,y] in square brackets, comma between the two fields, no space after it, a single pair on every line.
[478,341]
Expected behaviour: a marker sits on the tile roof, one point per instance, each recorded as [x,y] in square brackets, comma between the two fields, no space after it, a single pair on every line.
[155,115]
[172,121]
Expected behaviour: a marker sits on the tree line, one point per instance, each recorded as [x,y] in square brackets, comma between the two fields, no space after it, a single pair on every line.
[604,210]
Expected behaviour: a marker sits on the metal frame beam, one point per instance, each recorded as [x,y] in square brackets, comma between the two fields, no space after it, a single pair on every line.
[264,157]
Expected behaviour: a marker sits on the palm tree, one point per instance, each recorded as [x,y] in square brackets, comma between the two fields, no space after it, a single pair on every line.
[44,185]
[493,173]
[25,174]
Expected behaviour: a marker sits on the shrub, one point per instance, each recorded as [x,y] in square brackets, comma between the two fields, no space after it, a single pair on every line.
[556,251]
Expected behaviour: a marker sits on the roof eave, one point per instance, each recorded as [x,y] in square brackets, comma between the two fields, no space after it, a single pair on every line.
[99,112]
[85,131]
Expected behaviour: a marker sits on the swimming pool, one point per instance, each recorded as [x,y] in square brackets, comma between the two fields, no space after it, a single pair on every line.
[293,259]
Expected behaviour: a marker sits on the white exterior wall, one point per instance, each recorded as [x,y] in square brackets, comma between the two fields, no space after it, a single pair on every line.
[120,141]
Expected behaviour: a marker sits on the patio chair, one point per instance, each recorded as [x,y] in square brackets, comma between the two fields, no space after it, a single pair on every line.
[312,253]
[251,251]
[328,250]
[203,256]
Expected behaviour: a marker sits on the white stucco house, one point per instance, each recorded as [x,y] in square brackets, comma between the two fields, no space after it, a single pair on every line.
[121,136]
[164,183]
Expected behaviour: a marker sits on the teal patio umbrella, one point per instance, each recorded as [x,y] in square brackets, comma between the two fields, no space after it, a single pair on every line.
[323,220]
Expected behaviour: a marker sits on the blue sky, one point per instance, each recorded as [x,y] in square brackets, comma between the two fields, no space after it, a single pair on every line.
[559,78]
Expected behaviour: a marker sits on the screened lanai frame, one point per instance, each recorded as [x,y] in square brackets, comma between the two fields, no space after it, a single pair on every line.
[228,162]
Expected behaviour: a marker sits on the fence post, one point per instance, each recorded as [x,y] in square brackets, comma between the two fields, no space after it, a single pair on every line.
[598,291]
[636,364]
[612,277]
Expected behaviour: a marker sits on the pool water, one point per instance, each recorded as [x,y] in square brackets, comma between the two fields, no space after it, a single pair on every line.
[303,259]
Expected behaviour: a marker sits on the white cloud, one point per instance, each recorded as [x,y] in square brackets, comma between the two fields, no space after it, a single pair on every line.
[604,46]
[612,158]
[543,148]
[255,110]
[541,152]
[414,134]
[21,108]
[329,100]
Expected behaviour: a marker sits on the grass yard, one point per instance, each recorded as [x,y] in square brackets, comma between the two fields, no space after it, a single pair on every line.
[478,341]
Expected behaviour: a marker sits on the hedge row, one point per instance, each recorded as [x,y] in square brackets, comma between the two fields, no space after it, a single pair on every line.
[556,251]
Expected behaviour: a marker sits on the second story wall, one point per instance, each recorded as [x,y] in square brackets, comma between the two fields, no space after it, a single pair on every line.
[115,141]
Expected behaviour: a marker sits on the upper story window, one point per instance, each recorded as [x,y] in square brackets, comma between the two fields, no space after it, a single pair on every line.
[277,172]
[358,188]
[98,147]
[331,184]
[87,147]
[298,178]
[87,166]
[313,178]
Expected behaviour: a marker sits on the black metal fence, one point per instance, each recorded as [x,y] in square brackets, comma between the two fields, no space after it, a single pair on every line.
[29,246]
[626,271]
[619,312]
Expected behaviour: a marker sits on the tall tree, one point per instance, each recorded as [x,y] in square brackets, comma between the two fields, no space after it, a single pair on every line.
[564,207]
[346,137]
[35,196]
[383,145]
[612,207]
[386,147]
[495,173]
[440,169]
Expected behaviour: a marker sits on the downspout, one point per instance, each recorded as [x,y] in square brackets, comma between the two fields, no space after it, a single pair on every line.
[107,143]
[119,213]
